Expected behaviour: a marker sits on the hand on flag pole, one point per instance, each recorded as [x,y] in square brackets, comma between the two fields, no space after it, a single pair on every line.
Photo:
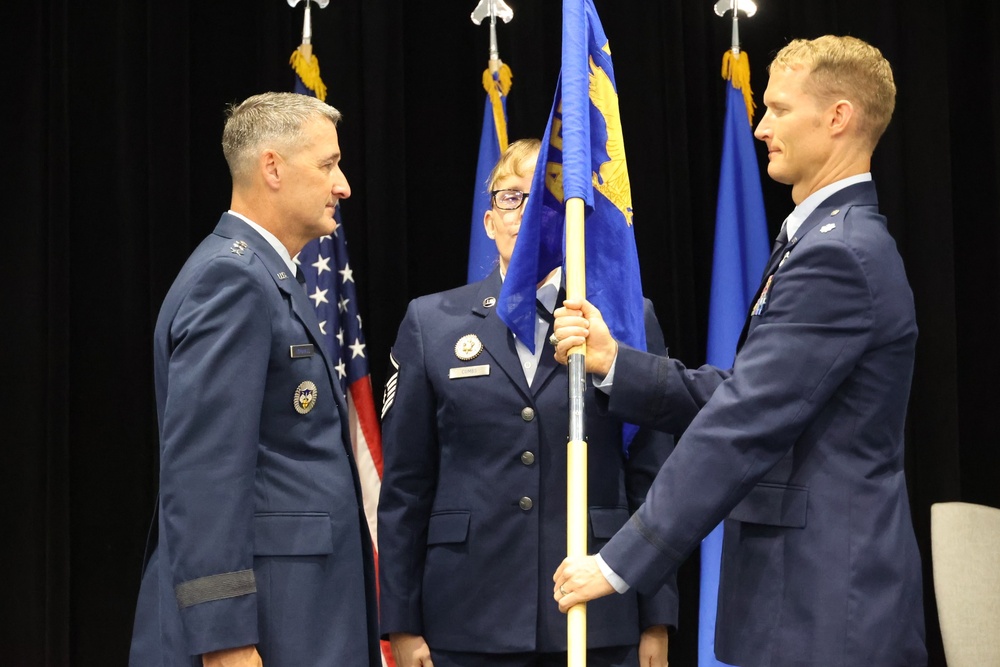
[578,322]
[579,579]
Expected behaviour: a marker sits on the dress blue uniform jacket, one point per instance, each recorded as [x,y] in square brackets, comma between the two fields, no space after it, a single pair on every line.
[801,446]
[261,537]
[472,513]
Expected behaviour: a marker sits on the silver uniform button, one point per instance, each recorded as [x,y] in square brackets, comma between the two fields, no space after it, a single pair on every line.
[527,458]
[527,414]
[525,503]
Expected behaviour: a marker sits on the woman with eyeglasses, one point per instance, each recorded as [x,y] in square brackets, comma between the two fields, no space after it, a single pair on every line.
[472,515]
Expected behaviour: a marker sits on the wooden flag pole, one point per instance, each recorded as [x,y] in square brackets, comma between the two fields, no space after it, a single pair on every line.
[576,458]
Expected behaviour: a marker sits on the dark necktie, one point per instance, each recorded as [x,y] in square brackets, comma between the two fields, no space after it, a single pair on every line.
[300,276]
[543,312]
[779,246]
[782,237]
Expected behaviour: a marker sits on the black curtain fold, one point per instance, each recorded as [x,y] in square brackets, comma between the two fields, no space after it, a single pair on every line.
[115,112]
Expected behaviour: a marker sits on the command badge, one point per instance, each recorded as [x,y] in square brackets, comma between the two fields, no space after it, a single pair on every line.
[305,397]
[468,347]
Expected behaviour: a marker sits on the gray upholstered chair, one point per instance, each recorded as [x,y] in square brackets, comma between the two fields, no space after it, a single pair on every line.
[965,548]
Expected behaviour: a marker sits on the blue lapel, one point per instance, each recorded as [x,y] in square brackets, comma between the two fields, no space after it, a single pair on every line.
[497,340]
[231,227]
[859,194]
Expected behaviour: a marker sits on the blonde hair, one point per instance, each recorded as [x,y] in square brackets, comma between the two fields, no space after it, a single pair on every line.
[274,119]
[847,68]
[512,161]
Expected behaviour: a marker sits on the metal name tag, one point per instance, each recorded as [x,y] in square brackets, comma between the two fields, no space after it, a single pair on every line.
[468,371]
[301,351]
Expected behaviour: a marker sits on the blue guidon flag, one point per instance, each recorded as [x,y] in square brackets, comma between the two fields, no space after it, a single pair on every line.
[583,155]
[492,142]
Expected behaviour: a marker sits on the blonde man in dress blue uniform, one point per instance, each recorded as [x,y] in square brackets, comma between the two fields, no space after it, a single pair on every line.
[799,446]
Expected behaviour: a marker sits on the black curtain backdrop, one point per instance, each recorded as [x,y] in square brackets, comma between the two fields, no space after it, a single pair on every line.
[114,111]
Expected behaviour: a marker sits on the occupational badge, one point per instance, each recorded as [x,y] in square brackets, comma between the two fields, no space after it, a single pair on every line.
[827,227]
[305,397]
[468,347]
[389,394]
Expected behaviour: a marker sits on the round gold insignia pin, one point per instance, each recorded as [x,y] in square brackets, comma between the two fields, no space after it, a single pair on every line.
[489,302]
[468,347]
[305,397]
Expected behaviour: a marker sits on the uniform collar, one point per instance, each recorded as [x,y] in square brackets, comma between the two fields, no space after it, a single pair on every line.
[271,239]
[810,203]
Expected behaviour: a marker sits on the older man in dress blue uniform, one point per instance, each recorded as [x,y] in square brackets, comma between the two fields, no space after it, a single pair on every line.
[263,553]
[800,444]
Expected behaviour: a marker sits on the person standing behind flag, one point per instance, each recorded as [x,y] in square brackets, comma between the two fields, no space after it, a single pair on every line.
[263,551]
[800,444]
[472,513]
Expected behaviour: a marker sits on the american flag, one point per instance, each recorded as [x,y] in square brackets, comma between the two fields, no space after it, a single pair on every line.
[331,287]
[330,283]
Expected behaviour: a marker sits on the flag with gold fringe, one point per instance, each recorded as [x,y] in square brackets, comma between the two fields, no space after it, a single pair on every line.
[331,287]
[306,67]
[492,142]
[582,155]
[740,254]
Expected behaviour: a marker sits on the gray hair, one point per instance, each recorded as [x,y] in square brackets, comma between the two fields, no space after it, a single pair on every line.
[268,120]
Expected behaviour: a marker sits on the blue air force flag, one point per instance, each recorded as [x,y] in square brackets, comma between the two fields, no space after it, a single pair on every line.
[740,254]
[492,142]
[582,155]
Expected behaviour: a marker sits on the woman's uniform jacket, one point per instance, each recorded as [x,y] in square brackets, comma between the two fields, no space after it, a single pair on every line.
[472,514]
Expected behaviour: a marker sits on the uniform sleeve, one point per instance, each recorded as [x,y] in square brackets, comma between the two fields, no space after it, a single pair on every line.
[410,472]
[219,347]
[657,391]
[647,452]
[817,325]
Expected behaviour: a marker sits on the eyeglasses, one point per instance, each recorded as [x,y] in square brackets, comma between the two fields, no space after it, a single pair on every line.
[508,200]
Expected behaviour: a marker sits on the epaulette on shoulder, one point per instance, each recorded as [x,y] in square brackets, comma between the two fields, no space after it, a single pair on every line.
[835,223]
[239,249]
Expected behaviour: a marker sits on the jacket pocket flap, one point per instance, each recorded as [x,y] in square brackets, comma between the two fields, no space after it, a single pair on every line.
[292,534]
[605,521]
[448,527]
[773,505]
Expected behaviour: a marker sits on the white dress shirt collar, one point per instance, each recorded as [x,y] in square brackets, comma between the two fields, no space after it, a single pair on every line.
[270,238]
[810,203]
